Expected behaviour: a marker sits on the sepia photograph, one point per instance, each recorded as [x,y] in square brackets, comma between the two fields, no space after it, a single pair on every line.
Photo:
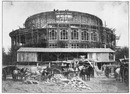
[65,46]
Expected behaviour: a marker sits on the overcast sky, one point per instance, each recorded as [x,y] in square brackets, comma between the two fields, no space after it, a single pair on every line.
[115,14]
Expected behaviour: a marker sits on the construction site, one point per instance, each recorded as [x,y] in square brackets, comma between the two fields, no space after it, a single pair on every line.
[63,51]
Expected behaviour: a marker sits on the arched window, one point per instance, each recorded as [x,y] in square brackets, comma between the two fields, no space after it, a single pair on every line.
[85,35]
[52,34]
[74,34]
[64,34]
[94,36]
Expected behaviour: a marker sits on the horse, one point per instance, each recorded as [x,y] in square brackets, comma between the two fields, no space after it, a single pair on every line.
[7,71]
[124,71]
[82,73]
[86,71]
[16,74]
[20,73]
[91,71]
[24,73]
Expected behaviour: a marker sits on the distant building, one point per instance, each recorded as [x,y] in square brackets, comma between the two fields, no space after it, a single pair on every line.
[63,35]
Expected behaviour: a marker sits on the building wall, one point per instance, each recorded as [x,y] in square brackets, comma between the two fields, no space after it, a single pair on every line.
[33,57]
[61,17]
[27,57]
[101,57]
[38,27]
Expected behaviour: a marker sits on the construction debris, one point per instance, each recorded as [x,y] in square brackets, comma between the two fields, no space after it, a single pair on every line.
[77,82]
[59,79]
[32,79]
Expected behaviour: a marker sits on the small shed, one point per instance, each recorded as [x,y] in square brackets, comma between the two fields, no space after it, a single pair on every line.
[30,54]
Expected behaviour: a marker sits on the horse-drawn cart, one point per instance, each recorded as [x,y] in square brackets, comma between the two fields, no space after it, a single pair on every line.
[61,67]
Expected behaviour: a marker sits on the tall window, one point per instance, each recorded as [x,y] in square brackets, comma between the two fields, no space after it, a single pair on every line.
[64,34]
[94,36]
[74,34]
[85,35]
[107,38]
[52,34]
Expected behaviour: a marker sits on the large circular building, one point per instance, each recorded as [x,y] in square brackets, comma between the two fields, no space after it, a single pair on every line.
[63,29]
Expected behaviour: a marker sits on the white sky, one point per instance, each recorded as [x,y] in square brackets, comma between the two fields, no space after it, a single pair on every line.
[114,13]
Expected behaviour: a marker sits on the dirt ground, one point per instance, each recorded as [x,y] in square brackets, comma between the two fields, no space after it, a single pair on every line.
[97,85]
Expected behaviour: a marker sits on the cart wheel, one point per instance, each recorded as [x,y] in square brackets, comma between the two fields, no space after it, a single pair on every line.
[56,71]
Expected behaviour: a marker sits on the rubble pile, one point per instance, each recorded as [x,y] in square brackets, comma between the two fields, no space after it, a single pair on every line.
[77,82]
[58,78]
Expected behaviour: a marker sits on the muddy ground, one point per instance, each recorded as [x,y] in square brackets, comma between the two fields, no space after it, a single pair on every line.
[97,85]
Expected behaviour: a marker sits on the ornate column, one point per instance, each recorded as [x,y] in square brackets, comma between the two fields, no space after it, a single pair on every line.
[69,37]
[79,34]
